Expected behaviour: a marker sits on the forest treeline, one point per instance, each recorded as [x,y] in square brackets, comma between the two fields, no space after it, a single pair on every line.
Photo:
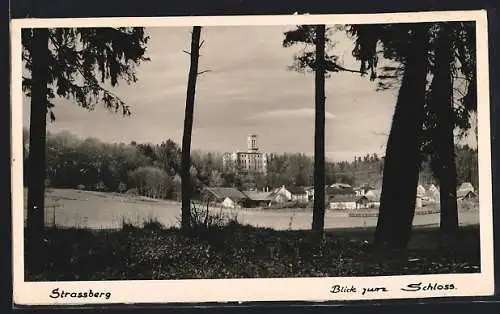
[153,169]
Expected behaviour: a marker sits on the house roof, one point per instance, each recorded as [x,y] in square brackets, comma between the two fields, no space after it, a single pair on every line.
[337,190]
[275,191]
[466,186]
[341,185]
[346,198]
[222,193]
[373,195]
[258,196]
[364,187]
[296,190]
[464,193]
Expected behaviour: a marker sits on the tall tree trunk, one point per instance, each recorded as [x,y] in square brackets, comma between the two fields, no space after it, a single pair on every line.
[188,128]
[318,222]
[402,159]
[37,141]
[442,102]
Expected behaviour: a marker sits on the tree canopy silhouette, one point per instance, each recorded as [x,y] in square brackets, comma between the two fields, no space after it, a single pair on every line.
[81,60]
[397,42]
[72,63]
[316,56]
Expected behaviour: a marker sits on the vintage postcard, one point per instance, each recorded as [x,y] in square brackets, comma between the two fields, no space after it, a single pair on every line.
[251,158]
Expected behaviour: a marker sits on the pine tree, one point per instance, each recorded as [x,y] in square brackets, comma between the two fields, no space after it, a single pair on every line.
[66,63]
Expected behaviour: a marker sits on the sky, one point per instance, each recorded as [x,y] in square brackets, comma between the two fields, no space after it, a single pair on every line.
[249,90]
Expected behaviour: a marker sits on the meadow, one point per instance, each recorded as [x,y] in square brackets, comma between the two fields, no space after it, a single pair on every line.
[70,208]
[107,236]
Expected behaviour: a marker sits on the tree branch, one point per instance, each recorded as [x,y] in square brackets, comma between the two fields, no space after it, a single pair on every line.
[189,53]
[201,44]
[203,72]
[341,68]
[91,80]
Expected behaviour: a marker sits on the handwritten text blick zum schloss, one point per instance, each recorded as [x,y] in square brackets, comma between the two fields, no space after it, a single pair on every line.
[413,287]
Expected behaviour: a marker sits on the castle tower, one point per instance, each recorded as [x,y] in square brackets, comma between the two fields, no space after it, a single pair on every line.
[252,143]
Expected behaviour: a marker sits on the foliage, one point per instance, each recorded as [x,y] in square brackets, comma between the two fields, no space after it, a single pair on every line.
[205,220]
[391,41]
[237,251]
[151,170]
[82,59]
[441,55]
[305,60]
[127,225]
[152,224]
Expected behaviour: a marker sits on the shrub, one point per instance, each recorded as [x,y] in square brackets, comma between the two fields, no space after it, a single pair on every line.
[202,218]
[122,187]
[127,225]
[152,224]
[132,191]
[205,220]
[101,186]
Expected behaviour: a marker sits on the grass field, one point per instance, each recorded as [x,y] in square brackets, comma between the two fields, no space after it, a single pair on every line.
[98,210]
[90,242]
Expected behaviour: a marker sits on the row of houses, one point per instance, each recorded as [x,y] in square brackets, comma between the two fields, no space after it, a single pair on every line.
[337,196]
[345,197]
[234,198]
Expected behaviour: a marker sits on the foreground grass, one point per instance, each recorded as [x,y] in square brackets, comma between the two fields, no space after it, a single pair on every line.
[236,251]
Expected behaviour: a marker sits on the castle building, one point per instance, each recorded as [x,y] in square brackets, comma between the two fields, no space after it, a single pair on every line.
[250,161]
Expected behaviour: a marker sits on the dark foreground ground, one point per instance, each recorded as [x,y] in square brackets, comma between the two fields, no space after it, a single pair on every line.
[236,251]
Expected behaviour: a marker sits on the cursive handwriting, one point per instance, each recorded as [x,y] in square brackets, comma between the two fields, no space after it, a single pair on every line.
[428,287]
[342,289]
[352,289]
[377,289]
[56,293]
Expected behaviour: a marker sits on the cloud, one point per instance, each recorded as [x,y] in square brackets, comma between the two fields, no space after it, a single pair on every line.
[248,91]
[289,114]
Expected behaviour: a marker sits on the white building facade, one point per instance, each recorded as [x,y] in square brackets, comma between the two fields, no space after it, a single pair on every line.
[250,161]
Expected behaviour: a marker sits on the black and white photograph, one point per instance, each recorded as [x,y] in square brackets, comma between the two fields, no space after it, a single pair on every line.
[286,158]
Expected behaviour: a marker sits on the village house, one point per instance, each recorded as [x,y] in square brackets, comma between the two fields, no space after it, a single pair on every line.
[465,188]
[338,189]
[466,191]
[362,190]
[468,195]
[426,195]
[281,195]
[420,191]
[310,192]
[298,194]
[341,189]
[227,197]
[257,199]
[339,202]
[432,194]
[373,197]
[362,202]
